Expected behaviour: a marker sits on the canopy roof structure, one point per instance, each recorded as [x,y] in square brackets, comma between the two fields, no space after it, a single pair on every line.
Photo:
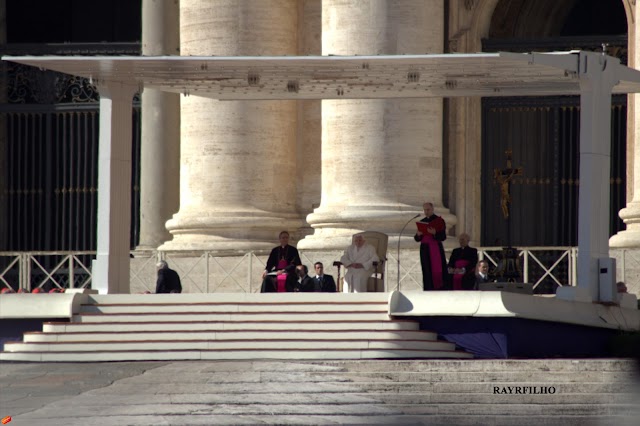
[340,77]
[593,76]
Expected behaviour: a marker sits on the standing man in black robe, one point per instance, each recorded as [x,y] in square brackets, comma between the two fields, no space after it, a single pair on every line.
[431,250]
[462,264]
[282,261]
[168,279]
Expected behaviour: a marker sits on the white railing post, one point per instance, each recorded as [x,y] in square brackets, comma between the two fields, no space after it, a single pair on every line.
[206,270]
[250,272]
[26,267]
[525,255]
[71,276]
[574,263]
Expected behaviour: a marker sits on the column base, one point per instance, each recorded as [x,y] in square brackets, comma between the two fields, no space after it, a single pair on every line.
[333,228]
[630,237]
[244,230]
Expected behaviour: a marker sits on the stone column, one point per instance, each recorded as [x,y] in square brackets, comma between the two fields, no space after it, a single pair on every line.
[238,158]
[160,149]
[468,24]
[630,237]
[381,159]
[309,148]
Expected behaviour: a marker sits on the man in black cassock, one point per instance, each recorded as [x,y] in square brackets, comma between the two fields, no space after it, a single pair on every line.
[283,260]
[462,264]
[168,279]
[431,250]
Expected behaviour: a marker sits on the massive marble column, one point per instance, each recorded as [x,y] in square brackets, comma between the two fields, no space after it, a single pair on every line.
[630,237]
[238,158]
[160,149]
[381,159]
[309,140]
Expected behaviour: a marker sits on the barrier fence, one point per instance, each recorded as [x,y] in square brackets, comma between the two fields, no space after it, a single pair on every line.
[545,267]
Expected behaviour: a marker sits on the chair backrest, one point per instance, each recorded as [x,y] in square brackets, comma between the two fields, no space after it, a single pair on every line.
[378,240]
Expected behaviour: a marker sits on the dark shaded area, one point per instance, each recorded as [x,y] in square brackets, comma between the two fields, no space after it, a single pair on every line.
[522,338]
[544,135]
[595,17]
[12,330]
[553,18]
[73,21]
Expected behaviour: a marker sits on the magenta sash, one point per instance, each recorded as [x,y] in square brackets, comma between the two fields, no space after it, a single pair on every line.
[457,278]
[281,280]
[436,261]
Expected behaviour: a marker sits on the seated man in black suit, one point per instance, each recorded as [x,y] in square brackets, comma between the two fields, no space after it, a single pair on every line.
[304,282]
[482,273]
[323,283]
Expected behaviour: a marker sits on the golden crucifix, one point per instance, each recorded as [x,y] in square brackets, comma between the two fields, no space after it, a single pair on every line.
[503,177]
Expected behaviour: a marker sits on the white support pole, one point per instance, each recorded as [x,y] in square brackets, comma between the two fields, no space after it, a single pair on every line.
[597,75]
[111,266]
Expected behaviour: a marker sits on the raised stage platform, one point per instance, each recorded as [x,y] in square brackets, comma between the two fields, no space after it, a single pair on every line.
[414,325]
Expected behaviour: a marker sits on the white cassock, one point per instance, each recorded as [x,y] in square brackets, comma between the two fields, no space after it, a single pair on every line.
[355,280]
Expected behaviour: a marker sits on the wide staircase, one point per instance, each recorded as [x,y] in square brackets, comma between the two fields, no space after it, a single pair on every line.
[230,326]
[580,392]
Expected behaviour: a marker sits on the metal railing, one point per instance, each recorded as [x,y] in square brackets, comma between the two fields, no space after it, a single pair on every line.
[207,272]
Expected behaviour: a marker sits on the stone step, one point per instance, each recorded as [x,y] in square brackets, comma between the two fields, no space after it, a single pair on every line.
[294,398]
[210,307]
[535,366]
[254,344]
[232,317]
[228,335]
[364,325]
[549,378]
[348,419]
[390,411]
[283,354]
[241,298]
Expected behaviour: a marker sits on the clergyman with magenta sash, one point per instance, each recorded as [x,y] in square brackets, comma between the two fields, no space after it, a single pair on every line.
[431,233]
[279,274]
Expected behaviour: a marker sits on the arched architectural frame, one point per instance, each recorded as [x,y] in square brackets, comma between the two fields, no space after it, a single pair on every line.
[469,21]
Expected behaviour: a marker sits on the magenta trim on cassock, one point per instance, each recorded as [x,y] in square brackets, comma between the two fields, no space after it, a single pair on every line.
[436,261]
[457,278]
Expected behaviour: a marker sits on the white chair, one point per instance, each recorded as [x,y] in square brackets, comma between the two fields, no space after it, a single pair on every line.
[380,242]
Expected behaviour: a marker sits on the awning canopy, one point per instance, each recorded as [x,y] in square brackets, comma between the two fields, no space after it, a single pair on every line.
[591,75]
[341,77]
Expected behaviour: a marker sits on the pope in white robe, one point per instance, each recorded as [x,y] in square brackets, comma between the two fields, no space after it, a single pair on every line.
[358,259]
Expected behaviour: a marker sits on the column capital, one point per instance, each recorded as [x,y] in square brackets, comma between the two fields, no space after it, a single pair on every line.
[118,90]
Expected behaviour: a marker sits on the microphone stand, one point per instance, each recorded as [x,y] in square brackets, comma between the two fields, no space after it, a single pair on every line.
[399,239]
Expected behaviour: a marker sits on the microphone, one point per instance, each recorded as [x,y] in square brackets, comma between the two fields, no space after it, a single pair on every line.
[400,238]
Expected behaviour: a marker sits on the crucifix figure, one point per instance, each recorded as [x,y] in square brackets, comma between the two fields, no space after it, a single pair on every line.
[503,177]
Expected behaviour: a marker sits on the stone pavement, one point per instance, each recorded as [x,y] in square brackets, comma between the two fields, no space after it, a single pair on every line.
[292,392]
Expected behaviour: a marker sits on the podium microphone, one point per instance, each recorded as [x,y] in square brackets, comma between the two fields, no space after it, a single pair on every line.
[399,239]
